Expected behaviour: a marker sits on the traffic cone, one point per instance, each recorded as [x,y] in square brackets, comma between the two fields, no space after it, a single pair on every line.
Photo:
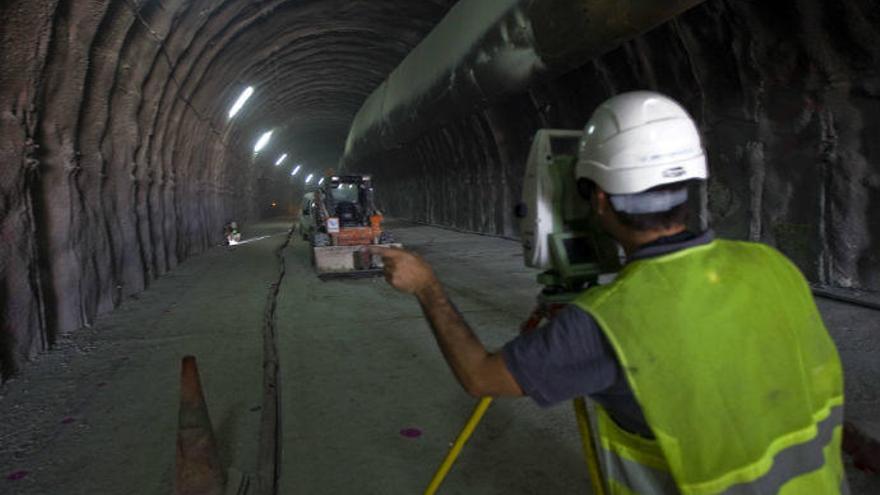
[198,464]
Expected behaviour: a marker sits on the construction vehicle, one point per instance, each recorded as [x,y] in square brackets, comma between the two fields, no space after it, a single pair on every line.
[339,219]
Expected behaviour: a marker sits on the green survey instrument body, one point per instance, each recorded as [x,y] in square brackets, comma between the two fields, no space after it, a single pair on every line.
[559,234]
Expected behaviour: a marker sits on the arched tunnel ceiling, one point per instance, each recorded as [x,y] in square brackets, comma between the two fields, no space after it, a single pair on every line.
[312,63]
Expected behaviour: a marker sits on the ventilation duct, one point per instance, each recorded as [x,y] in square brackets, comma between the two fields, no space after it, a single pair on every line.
[484,50]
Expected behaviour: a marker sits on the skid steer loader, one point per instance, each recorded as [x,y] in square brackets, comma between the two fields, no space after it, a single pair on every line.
[338,219]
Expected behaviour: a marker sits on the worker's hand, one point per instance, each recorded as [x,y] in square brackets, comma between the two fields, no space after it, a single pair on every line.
[405,271]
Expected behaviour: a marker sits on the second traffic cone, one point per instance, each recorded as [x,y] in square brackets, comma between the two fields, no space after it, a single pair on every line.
[198,463]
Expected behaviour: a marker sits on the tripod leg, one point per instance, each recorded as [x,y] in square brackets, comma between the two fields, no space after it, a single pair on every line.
[463,437]
[590,454]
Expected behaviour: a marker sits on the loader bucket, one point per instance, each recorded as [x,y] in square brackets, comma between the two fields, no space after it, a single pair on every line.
[347,261]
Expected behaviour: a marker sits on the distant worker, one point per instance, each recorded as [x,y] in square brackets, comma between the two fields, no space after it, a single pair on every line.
[710,362]
[233,236]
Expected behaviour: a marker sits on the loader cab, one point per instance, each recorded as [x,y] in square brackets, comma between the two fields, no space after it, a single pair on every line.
[349,198]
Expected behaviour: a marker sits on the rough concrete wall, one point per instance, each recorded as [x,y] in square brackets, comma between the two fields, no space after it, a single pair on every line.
[88,216]
[117,160]
[23,317]
[787,95]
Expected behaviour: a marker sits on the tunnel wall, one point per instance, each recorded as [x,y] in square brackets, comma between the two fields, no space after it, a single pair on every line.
[117,157]
[787,95]
[109,174]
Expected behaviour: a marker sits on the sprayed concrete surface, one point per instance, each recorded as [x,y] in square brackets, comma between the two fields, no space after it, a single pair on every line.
[99,414]
[119,160]
[368,404]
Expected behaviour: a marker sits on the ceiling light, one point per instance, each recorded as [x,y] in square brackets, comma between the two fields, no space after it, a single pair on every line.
[281,159]
[295,170]
[263,141]
[321,181]
[248,91]
[309,178]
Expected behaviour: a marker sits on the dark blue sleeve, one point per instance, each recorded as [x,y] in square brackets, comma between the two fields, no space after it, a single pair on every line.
[566,358]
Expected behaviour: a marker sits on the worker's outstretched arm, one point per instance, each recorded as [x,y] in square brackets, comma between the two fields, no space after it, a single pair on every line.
[480,372]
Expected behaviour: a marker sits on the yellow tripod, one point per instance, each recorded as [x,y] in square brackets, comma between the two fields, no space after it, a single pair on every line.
[580,409]
[584,426]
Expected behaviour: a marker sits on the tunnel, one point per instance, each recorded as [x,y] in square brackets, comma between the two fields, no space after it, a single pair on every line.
[134,133]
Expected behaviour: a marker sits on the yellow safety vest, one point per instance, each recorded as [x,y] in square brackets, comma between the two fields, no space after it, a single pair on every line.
[738,378]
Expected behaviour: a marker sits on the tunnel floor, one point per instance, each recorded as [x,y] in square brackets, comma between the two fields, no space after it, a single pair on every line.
[358,368]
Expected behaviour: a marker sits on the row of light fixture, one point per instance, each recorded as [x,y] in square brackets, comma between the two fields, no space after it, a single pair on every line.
[266,136]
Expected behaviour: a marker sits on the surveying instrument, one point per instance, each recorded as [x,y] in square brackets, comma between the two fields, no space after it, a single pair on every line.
[559,237]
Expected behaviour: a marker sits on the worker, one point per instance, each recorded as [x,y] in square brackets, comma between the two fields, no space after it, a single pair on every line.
[708,359]
[233,236]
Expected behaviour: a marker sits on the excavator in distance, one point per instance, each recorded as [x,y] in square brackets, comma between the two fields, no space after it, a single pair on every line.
[338,219]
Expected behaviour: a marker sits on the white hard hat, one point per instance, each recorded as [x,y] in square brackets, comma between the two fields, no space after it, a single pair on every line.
[639,140]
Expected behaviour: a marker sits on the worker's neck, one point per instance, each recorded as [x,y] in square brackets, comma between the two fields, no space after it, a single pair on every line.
[631,240]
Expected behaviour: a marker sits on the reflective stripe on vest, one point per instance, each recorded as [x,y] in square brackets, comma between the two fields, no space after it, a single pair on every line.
[643,471]
[788,464]
[726,353]
[796,460]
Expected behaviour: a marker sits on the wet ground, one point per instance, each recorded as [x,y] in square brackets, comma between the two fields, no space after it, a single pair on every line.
[367,403]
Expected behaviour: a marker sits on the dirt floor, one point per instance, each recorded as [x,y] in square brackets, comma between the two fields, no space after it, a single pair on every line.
[367,404]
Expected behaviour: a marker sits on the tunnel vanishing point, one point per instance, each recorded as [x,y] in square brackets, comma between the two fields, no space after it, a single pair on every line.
[120,157]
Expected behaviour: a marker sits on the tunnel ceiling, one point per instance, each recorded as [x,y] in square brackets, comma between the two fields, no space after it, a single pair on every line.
[312,63]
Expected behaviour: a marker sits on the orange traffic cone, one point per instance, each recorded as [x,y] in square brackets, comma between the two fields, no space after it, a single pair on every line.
[198,464]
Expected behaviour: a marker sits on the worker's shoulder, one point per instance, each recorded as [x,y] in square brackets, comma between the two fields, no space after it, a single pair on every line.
[752,247]
[763,254]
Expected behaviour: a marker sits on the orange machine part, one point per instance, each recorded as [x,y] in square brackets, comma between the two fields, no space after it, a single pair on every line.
[376,225]
[354,236]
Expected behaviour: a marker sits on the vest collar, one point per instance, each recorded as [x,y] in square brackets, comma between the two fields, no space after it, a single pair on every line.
[671,244]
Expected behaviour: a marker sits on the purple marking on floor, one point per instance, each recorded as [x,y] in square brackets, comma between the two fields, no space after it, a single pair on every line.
[17,475]
[68,420]
[411,432]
